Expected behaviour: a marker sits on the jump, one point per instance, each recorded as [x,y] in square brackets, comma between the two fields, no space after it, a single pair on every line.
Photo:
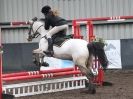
[79,51]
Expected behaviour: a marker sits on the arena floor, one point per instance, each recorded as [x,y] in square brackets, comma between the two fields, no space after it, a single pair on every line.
[122,89]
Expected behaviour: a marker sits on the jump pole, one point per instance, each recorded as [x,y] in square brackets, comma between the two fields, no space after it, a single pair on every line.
[41,76]
[112,18]
[36,72]
[0,66]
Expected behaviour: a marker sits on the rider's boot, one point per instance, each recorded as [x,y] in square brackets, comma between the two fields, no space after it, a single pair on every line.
[50,51]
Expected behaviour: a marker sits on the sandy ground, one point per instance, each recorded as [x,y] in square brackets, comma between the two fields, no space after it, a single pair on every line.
[122,88]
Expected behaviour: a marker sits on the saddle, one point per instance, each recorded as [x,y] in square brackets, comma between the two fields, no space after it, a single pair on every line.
[60,38]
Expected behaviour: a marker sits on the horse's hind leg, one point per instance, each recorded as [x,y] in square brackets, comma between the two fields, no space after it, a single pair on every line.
[89,84]
[87,72]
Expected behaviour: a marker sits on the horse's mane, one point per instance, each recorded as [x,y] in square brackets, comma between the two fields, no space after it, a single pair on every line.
[42,20]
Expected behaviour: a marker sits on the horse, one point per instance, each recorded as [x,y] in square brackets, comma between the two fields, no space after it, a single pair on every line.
[78,50]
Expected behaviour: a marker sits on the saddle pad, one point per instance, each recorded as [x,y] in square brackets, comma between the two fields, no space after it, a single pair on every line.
[58,41]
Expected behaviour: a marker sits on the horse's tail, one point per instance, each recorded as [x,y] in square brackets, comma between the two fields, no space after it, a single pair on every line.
[91,54]
[97,49]
[91,48]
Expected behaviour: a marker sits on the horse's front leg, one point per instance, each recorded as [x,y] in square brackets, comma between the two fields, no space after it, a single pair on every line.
[38,57]
[35,57]
[42,63]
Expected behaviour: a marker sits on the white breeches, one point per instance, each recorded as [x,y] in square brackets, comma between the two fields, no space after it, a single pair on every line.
[56,29]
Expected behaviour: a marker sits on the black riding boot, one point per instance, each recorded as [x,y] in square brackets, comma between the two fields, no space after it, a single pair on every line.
[50,51]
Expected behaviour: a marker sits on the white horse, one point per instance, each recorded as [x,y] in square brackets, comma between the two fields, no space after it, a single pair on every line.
[78,50]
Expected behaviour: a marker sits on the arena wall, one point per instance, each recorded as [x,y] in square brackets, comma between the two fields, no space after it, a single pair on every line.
[23,10]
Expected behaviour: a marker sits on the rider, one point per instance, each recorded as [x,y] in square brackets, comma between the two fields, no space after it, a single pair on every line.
[58,24]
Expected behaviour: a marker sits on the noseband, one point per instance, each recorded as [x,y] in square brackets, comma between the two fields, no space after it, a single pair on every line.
[36,33]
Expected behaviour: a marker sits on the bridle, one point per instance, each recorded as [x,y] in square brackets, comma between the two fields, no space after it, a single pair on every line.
[35,34]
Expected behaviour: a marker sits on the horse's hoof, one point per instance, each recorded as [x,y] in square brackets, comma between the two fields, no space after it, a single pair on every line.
[37,63]
[93,91]
[86,84]
[45,64]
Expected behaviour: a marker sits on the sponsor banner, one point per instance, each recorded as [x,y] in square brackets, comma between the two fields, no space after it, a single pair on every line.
[113,52]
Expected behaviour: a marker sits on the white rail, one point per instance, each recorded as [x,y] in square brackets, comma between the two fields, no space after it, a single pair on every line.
[45,86]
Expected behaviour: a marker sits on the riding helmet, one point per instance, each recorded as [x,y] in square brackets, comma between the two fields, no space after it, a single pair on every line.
[45,10]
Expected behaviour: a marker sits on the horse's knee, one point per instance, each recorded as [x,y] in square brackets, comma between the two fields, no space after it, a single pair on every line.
[90,75]
[37,51]
[83,70]
[87,72]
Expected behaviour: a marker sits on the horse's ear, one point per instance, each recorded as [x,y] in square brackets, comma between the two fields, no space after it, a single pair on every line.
[34,19]
[30,21]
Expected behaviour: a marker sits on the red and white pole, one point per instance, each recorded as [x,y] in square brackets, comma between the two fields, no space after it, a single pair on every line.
[0,66]
[41,76]
[36,72]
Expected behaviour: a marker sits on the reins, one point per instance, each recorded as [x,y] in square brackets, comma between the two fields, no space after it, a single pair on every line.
[35,34]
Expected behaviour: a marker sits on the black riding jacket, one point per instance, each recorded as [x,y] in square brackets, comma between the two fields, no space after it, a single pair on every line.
[51,20]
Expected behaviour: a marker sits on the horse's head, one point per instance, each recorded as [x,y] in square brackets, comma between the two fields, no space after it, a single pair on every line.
[100,53]
[35,28]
